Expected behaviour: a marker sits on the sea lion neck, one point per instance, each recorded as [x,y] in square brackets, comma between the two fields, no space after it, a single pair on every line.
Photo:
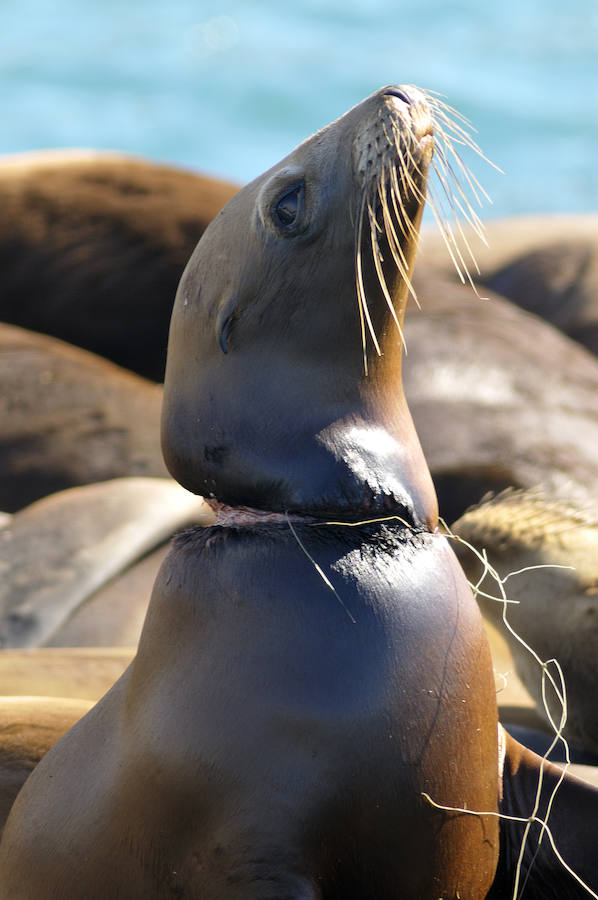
[283,386]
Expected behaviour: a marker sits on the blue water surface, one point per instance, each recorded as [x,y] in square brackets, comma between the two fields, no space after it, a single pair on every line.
[231,87]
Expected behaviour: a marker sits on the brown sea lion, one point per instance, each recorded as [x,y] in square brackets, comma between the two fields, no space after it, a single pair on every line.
[114,615]
[489,411]
[533,792]
[92,246]
[553,608]
[279,743]
[68,418]
[272,756]
[78,672]
[546,264]
[56,553]
[29,726]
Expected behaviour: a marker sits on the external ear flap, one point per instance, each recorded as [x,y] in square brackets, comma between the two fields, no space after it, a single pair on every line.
[224,333]
[225,321]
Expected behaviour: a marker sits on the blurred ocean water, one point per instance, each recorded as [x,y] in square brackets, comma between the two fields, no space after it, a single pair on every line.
[229,88]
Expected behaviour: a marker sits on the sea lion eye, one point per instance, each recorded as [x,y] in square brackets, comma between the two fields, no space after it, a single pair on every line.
[287,209]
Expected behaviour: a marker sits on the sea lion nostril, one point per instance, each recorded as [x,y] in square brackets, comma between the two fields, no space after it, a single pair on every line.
[396,92]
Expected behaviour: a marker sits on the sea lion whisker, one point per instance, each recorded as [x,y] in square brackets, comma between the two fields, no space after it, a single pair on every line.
[408,165]
[393,241]
[446,115]
[456,181]
[359,282]
[321,572]
[457,207]
[406,179]
[414,167]
[390,139]
[403,220]
[448,237]
[375,521]
[448,179]
[438,104]
[444,144]
[377,257]
[407,227]
[435,200]
[458,133]
[361,298]
[390,233]
[450,117]
[372,217]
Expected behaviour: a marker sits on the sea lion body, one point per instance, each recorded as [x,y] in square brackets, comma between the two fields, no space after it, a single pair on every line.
[488,410]
[553,607]
[29,727]
[92,246]
[278,748]
[80,673]
[547,264]
[70,418]
[58,552]
[114,616]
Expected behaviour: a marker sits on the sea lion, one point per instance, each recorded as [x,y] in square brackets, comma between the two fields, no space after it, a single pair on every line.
[279,743]
[56,553]
[548,265]
[92,246]
[488,410]
[114,616]
[291,770]
[77,672]
[29,726]
[70,418]
[553,608]
[534,791]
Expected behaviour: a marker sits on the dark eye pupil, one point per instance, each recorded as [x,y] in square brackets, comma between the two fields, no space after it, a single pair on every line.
[287,207]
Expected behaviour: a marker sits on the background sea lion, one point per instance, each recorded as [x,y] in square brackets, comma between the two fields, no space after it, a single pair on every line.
[77,672]
[532,788]
[114,615]
[68,418]
[554,609]
[546,264]
[490,412]
[92,246]
[289,735]
[58,552]
[29,726]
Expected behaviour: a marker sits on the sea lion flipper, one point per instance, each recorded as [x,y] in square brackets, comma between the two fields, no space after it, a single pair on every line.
[570,810]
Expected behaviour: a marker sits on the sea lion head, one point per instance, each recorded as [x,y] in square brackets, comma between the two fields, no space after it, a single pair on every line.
[283,386]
